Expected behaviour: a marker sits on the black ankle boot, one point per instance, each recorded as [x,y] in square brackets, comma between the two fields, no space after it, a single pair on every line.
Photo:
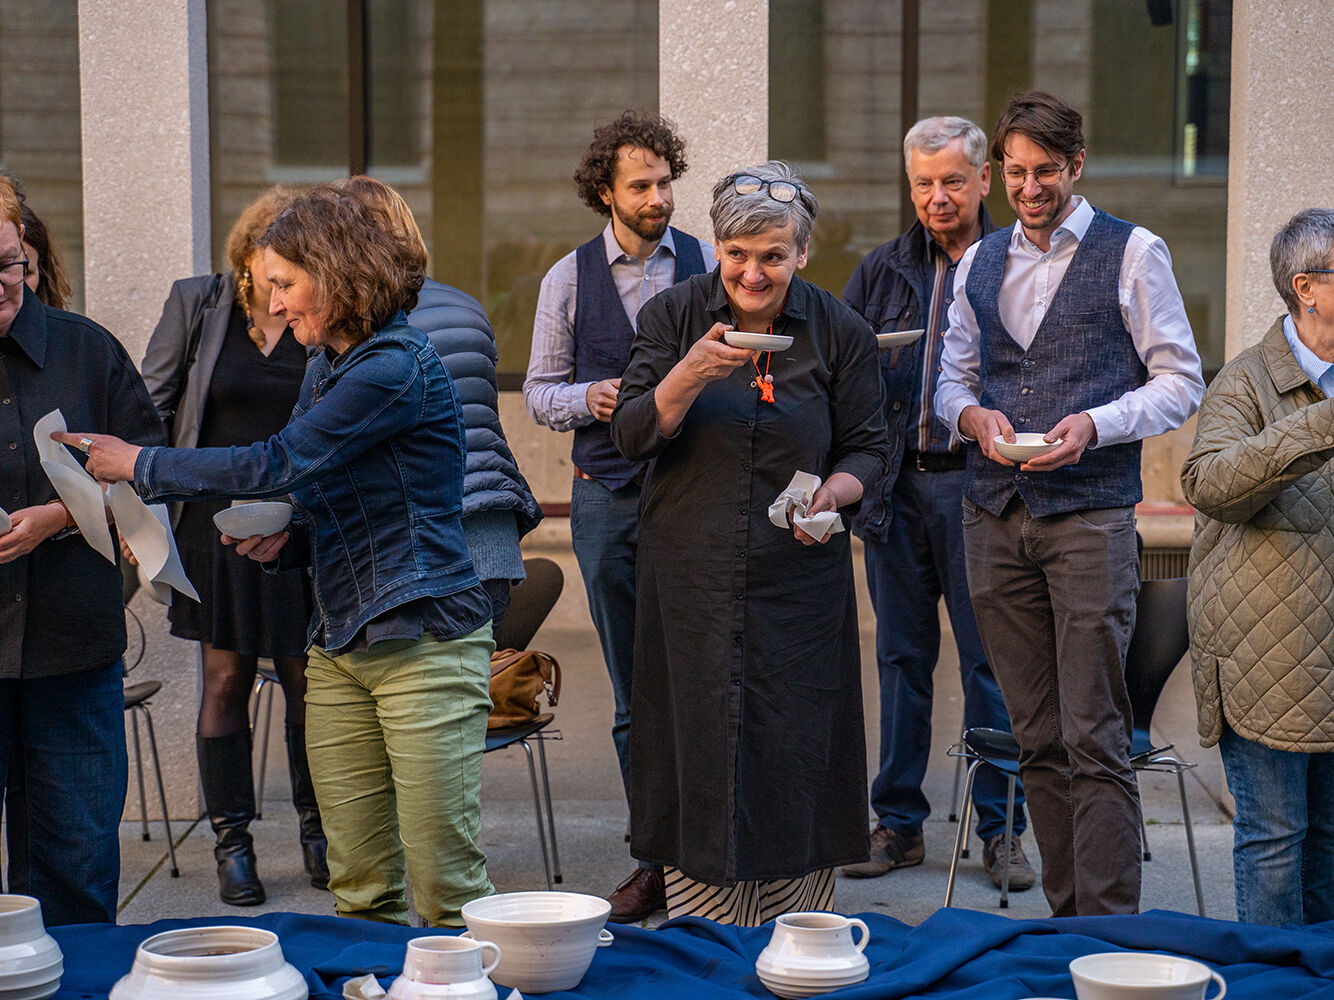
[314,848]
[229,795]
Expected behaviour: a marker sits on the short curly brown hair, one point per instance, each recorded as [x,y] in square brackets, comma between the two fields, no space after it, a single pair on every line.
[597,169]
[362,272]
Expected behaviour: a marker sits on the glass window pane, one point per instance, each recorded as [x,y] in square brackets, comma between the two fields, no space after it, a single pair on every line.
[40,138]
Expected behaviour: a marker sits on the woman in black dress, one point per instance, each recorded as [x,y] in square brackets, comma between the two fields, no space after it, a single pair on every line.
[747,761]
[222,372]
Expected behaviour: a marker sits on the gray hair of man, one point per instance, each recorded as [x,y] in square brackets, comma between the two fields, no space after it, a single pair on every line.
[735,215]
[1305,242]
[931,135]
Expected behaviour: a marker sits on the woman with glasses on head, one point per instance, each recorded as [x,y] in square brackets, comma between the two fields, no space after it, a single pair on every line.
[63,765]
[747,758]
[224,372]
[400,642]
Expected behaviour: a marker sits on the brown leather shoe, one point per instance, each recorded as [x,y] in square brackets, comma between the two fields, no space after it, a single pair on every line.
[638,897]
[1022,875]
[889,850]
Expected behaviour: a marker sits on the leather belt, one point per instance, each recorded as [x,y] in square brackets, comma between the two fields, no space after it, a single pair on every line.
[925,461]
[581,474]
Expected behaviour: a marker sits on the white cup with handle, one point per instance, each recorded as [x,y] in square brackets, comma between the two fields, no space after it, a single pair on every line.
[440,967]
[1129,975]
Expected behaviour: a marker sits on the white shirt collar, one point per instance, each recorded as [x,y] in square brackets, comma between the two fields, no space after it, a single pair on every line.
[615,253]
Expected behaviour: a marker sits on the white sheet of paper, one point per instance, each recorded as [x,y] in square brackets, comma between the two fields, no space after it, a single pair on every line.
[147,531]
[78,491]
[795,499]
[5,524]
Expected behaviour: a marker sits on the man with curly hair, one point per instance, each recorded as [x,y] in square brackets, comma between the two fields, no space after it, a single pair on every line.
[585,322]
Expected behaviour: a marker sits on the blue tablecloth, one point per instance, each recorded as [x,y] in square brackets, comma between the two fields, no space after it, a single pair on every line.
[960,954]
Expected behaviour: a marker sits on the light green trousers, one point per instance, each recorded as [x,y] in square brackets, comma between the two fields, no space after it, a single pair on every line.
[395,738]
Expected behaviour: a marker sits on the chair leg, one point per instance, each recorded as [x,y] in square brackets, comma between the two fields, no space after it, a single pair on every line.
[1190,842]
[967,820]
[537,810]
[1009,837]
[139,770]
[961,835]
[1144,836]
[161,790]
[546,792]
[265,692]
[958,775]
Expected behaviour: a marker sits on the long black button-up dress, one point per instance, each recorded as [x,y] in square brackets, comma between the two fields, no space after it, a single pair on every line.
[747,758]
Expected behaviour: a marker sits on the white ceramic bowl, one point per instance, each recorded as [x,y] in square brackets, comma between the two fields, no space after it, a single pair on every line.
[1024,446]
[263,517]
[30,961]
[756,341]
[547,939]
[897,338]
[1130,975]
[211,963]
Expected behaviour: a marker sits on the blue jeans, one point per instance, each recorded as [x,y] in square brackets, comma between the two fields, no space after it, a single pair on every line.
[604,527]
[1283,834]
[64,767]
[920,560]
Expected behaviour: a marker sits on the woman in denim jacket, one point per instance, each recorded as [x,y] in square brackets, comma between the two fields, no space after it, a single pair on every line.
[396,697]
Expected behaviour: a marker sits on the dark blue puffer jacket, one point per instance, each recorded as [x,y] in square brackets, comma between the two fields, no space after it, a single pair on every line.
[459,330]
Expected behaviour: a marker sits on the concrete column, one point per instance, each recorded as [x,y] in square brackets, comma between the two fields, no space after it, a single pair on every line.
[713,82]
[144,81]
[1277,161]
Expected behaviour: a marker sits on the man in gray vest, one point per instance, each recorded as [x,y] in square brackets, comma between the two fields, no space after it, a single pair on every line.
[911,521]
[582,332]
[1068,325]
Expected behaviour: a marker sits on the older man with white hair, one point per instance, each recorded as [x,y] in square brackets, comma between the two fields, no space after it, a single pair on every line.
[911,522]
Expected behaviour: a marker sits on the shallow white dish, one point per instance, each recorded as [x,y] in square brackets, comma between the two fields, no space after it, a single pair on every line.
[1024,446]
[1134,975]
[756,341]
[30,960]
[211,963]
[263,517]
[898,338]
[547,939]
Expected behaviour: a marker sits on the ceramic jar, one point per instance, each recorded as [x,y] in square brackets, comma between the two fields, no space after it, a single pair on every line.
[30,961]
[211,963]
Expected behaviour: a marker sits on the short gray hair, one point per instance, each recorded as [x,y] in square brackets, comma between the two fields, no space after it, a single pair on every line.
[1305,242]
[931,135]
[736,215]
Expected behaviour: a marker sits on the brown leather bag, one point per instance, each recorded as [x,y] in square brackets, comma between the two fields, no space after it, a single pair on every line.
[518,677]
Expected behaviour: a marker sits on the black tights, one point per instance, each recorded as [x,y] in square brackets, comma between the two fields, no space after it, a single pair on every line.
[229,677]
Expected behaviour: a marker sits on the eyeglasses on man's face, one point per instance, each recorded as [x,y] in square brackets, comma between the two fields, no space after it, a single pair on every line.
[1015,177]
[782,191]
[13,272]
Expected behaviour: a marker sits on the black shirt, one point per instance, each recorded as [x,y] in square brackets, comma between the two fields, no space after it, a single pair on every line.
[60,605]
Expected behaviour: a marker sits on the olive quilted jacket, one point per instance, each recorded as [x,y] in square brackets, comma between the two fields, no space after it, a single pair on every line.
[1262,559]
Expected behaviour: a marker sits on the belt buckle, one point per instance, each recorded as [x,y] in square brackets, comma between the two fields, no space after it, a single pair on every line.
[921,464]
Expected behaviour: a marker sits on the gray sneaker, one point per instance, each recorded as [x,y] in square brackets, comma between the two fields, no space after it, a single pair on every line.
[889,850]
[1022,875]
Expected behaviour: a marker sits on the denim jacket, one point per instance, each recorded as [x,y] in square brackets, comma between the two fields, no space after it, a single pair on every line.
[373,458]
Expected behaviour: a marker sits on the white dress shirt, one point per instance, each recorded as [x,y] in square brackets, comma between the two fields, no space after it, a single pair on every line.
[1150,305]
[548,393]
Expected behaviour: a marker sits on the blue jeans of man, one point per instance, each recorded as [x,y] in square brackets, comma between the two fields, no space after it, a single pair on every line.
[63,767]
[921,560]
[604,527]
[1283,833]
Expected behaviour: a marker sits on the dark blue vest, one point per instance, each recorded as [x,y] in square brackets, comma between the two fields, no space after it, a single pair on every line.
[602,339]
[1081,357]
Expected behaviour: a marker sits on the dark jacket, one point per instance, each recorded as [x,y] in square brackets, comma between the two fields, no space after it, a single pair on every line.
[373,458]
[194,321]
[461,334]
[891,289]
[60,605]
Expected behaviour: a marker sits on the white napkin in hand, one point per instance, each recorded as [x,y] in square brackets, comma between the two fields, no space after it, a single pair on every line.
[77,490]
[795,500]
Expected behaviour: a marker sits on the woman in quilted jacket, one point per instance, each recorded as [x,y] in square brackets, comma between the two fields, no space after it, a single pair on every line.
[1261,572]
